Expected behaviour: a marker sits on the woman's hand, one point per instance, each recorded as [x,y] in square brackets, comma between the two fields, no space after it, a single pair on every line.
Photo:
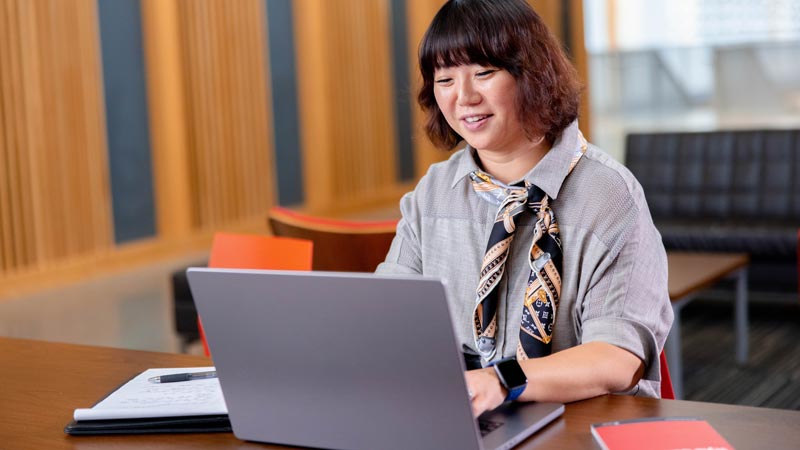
[485,389]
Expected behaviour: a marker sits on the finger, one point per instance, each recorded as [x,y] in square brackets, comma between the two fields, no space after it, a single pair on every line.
[479,406]
[476,410]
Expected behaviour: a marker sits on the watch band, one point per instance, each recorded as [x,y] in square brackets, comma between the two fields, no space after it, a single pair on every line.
[511,377]
[515,392]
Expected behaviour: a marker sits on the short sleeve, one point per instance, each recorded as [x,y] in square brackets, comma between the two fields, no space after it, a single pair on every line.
[628,303]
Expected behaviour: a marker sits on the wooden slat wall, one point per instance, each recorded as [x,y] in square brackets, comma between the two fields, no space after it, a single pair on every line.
[166,111]
[228,133]
[54,194]
[420,13]
[210,116]
[345,96]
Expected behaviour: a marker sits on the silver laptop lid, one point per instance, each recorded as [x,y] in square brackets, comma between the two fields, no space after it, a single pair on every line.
[335,360]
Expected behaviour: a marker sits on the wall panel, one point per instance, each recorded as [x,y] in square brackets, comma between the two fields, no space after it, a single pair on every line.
[129,152]
[283,83]
[54,204]
[165,82]
[227,119]
[406,168]
[420,14]
[581,60]
[346,97]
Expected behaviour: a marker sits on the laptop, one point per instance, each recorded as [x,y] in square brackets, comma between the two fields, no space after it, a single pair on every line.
[346,361]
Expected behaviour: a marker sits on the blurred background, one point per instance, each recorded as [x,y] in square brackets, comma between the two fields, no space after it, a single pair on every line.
[132,130]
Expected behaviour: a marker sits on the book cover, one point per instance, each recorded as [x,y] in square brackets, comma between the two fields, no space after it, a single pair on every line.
[659,433]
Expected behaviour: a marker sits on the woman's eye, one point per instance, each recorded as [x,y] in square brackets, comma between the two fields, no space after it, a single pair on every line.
[485,73]
[444,81]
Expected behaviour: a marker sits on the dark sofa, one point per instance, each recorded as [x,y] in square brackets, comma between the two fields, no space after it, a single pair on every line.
[731,191]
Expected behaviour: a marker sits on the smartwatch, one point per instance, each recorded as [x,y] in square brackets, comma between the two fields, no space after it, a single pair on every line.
[511,377]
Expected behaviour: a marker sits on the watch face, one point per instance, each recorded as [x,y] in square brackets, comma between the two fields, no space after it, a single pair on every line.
[512,373]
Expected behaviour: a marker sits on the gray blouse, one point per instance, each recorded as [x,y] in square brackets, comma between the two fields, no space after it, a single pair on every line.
[614,273]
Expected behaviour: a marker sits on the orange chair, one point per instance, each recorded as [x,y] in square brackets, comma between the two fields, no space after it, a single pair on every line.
[243,251]
[339,245]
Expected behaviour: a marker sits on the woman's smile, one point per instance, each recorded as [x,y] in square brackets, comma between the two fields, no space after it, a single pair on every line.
[476,121]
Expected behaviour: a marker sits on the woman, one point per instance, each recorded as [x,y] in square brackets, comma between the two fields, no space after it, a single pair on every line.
[549,255]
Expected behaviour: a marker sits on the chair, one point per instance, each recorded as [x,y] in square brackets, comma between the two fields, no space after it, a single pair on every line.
[244,251]
[184,312]
[339,245]
[666,382]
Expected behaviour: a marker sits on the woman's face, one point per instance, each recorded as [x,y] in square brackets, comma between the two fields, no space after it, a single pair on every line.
[479,104]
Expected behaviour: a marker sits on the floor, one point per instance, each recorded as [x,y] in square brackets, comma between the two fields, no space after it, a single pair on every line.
[130,310]
[771,376]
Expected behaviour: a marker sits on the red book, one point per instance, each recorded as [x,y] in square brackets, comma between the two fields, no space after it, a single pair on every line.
[659,433]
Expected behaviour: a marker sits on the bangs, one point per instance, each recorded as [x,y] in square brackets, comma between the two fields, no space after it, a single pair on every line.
[466,35]
[454,49]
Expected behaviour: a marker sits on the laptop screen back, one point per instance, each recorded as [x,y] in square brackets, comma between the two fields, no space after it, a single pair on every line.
[336,360]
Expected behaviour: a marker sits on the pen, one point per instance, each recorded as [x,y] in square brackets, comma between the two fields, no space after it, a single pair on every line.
[172,378]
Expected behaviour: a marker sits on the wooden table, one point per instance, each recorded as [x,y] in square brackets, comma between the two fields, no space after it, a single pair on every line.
[43,382]
[689,274]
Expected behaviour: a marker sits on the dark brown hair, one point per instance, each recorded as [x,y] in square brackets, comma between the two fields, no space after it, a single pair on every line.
[509,35]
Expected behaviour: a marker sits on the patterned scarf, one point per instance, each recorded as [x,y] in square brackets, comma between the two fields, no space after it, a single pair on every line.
[544,282]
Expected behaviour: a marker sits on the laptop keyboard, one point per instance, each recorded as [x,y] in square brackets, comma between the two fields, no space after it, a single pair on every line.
[487,426]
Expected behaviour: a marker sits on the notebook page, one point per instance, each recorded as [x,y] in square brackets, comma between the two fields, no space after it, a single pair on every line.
[140,398]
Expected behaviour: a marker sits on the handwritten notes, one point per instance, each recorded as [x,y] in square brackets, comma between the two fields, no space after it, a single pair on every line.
[140,398]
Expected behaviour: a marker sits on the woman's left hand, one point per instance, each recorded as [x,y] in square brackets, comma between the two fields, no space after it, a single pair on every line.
[485,390]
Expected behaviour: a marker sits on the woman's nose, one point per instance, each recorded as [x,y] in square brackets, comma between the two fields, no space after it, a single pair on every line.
[467,95]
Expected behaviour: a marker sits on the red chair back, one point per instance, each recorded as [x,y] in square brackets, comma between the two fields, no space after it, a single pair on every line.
[248,251]
[666,381]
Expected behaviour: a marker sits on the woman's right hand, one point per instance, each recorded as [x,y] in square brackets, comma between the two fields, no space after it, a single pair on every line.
[486,392]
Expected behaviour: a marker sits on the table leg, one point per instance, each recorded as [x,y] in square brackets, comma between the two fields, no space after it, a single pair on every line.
[742,338]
